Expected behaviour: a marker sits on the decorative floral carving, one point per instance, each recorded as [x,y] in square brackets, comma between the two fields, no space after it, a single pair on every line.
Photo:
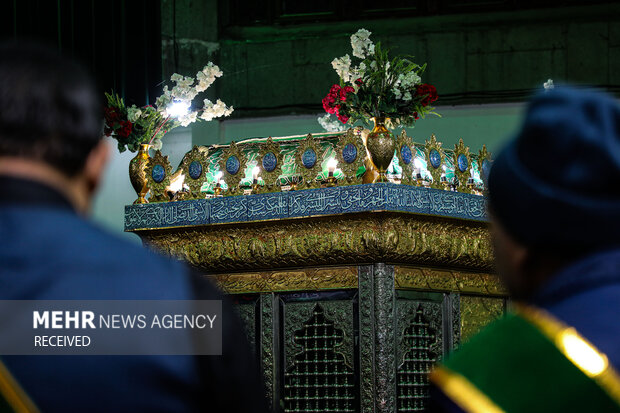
[158,176]
[308,158]
[345,239]
[484,163]
[270,164]
[351,154]
[477,312]
[435,160]
[232,164]
[462,166]
[430,279]
[405,150]
[194,167]
[299,280]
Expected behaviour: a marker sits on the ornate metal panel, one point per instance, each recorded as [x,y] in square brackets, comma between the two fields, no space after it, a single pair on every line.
[267,324]
[420,326]
[366,339]
[439,279]
[246,308]
[455,304]
[477,312]
[384,313]
[302,279]
[319,371]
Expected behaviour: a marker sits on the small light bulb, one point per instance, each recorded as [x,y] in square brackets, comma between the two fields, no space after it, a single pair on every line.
[176,184]
[418,163]
[178,108]
[331,165]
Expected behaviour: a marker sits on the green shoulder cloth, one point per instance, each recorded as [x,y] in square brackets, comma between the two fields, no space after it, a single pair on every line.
[528,361]
[12,397]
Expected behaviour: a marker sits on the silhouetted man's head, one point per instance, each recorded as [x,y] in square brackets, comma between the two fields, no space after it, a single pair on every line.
[50,118]
[553,191]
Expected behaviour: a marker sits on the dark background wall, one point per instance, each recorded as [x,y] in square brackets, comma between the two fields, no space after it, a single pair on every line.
[276,54]
[119,40]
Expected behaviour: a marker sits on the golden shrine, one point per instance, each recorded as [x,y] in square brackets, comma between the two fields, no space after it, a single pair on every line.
[349,291]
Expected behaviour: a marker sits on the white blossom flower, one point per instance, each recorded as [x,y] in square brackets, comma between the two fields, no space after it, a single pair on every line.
[185,81]
[330,124]
[407,96]
[185,120]
[548,84]
[183,93]
[361,43]
[409,80]
[342,66]
[164,99]
[183,89]
[157,144]
[133,113]
[396,92]
[356,73]
[207,76]
[217,110]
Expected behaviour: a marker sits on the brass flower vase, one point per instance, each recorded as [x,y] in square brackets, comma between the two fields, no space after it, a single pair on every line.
[137,173]
[381,145]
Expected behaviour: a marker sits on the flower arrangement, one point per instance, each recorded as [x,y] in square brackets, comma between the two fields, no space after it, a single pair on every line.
[132,126]
[378,87]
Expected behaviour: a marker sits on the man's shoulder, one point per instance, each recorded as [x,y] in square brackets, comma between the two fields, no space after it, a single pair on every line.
[527,350]
[111,250]
[77,258]
[491,343]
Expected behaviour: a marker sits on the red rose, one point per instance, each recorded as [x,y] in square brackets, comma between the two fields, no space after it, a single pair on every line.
[125,129]
[427,92]
[328,104]
[345,91]
[415,115]
[359,81]
[336,94]
[111,115]
[342,118]
[329,101]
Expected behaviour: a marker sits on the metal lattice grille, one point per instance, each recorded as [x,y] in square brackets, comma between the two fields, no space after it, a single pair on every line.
[412,379]
[319,380]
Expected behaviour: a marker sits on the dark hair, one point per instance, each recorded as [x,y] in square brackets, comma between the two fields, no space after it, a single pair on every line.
[50,109]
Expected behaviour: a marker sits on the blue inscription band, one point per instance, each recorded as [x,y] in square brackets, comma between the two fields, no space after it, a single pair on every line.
[311,202]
